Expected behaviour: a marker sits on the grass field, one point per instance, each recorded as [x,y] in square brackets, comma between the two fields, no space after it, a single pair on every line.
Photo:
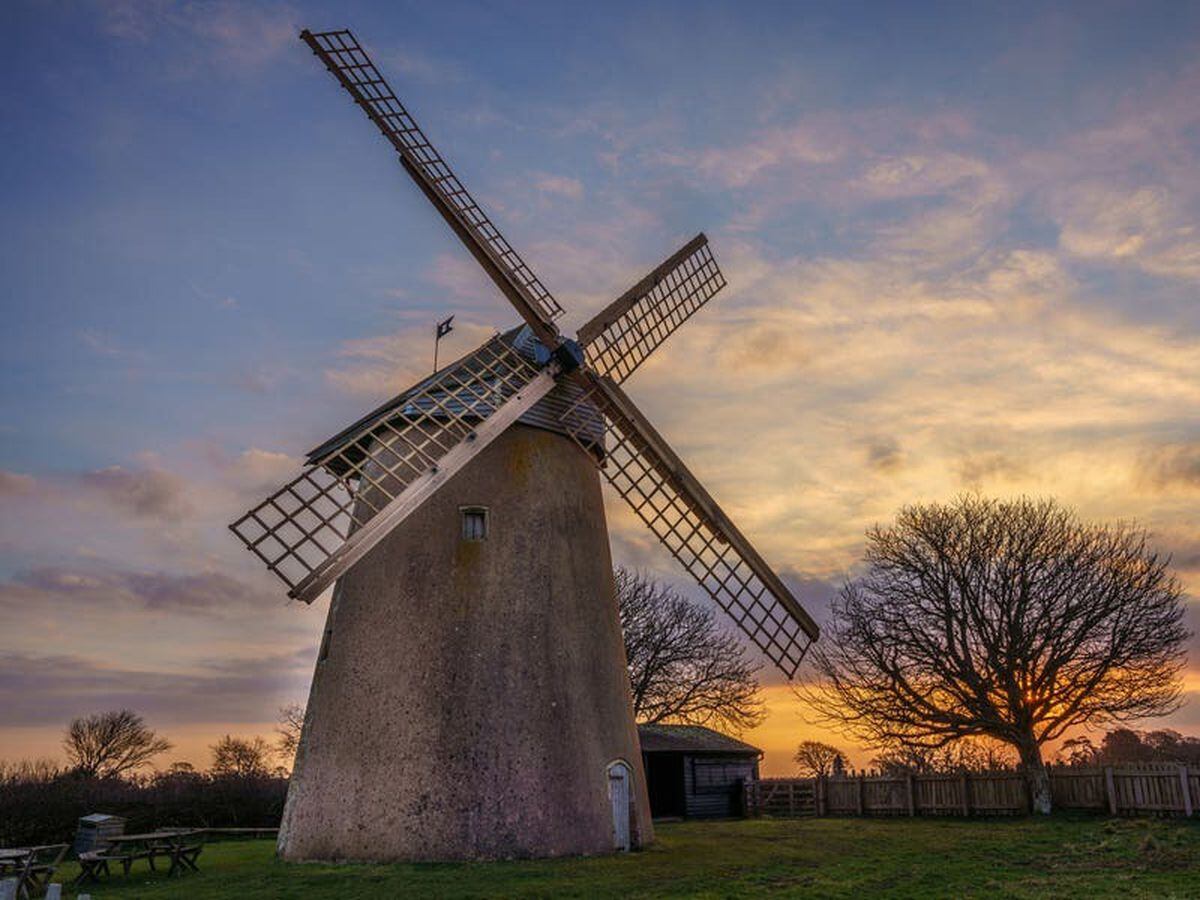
[1062,856]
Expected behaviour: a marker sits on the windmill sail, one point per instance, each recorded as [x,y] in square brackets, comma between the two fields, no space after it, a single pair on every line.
[361,484]
[317,525]
[347,60]
[629,329]
[651,478]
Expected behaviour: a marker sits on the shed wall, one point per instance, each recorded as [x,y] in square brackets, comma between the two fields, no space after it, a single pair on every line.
[712,784]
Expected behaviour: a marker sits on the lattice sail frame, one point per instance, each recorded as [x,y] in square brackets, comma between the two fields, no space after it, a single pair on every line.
[704,547]
[350,63]
[666,302]
[323,521]
[300,526]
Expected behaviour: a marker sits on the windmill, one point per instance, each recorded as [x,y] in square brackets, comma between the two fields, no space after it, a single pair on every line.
[470,698]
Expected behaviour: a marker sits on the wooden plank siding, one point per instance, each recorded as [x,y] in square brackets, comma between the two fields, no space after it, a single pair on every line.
[1163,789]
[713,795]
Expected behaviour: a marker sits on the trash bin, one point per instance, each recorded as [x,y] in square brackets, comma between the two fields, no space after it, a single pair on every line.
[95,830]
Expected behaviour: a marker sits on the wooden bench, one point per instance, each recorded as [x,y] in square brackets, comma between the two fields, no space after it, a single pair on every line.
[94,863]
[34,873]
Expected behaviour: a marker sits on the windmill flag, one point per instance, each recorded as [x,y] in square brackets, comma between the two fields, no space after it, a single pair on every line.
[443,328]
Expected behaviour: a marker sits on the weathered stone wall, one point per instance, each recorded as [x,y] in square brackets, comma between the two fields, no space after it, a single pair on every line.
[472,694]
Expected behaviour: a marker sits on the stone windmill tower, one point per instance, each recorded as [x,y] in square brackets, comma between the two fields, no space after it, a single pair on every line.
[470,698]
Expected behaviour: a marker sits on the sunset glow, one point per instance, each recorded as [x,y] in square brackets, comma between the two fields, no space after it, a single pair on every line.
[962,255]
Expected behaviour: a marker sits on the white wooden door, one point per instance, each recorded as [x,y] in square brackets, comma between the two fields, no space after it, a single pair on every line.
[618,794]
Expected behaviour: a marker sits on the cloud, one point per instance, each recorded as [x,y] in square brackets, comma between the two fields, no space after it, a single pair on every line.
[988,467]
[15,484]
[49,689]
[811,143]
[122,591]
[256,469]
[884,454]
[100,343]
[1144,226]
[1173,466]
[390,363]
[919,175]
[144,493]
[558,185]
[414,65]
[243,37]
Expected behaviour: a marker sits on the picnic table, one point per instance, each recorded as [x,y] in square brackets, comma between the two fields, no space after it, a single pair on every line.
[180,846]
[11,860]
[31,867]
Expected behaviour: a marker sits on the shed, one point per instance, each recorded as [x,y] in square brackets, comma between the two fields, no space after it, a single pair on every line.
[694,772]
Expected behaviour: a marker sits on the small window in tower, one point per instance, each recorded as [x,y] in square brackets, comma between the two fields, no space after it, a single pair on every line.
[474,523]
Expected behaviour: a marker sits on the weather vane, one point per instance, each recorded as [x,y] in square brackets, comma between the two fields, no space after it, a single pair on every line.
[443,328]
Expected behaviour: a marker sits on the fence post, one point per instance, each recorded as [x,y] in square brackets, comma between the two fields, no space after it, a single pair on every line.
[792,799]
[966,796]
[822,807]
[912,794]
[54,892]
[1187,795]
[861,786]
[1111,790]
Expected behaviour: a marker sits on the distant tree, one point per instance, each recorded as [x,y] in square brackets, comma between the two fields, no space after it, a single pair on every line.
[291,723]
[902,759]
[964,755]
[1012,620]
[817,759]
[1123,745]
[1078,751]
[683,667]
[240,758]
[110,744]
[1169,745]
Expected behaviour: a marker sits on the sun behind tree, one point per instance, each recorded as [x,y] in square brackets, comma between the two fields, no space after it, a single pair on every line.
[1006,619]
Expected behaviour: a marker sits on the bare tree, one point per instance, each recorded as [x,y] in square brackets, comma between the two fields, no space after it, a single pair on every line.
[240,757]
[110,744]
[1012,620]
[291,723]
[683,667]
[818,759]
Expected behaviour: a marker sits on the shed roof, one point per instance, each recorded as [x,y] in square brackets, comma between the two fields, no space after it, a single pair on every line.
[691,739]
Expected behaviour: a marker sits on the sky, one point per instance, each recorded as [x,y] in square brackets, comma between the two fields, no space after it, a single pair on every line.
[961,240]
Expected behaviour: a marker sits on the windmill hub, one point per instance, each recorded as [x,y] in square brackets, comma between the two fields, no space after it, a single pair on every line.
[470,697]
[569,355]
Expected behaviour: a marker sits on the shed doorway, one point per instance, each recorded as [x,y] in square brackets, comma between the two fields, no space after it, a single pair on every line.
[664,778]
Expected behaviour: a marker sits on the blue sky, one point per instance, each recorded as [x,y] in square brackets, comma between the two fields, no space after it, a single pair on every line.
[961,240]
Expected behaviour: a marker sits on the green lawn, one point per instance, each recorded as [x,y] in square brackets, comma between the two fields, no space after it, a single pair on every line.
[1080,857]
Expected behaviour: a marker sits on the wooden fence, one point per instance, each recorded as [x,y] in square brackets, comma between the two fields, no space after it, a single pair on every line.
[1161,789]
